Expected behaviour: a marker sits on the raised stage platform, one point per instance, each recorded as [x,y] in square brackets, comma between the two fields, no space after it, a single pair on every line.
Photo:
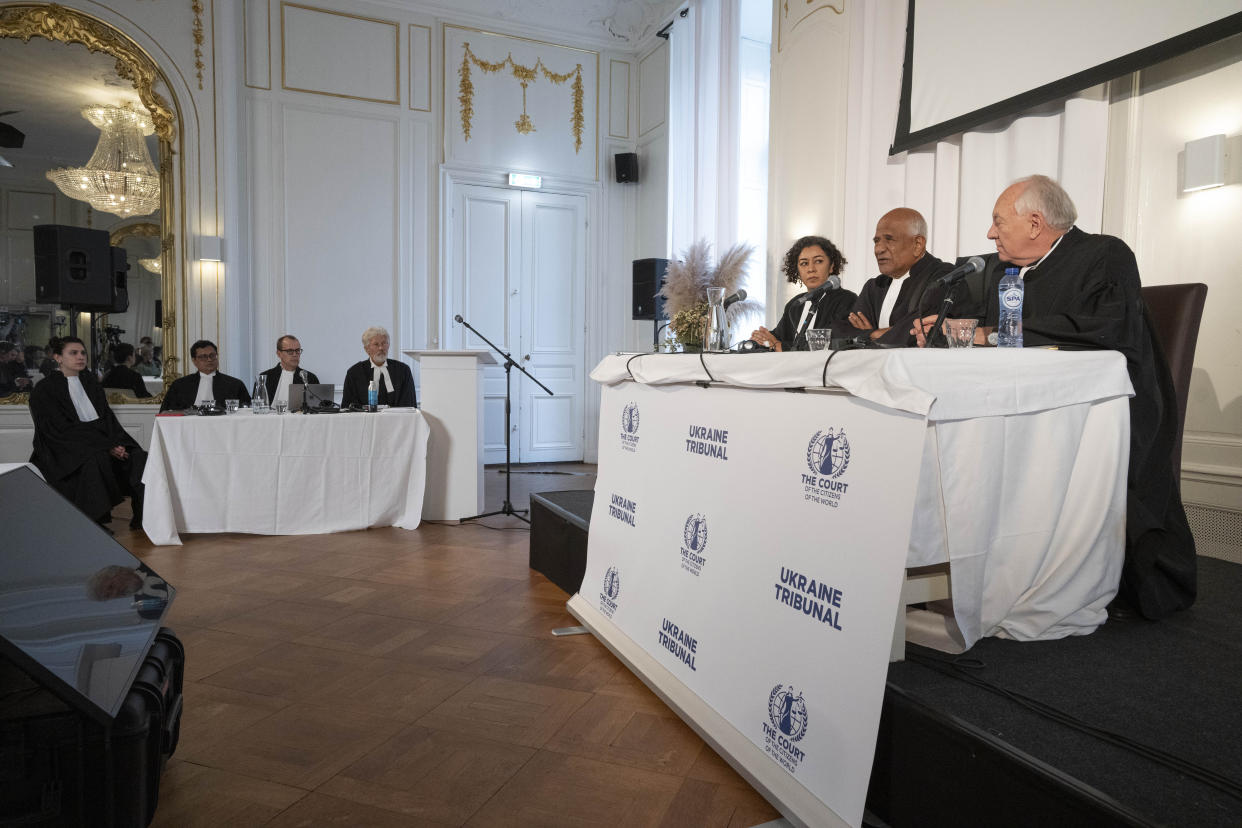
[1137,724]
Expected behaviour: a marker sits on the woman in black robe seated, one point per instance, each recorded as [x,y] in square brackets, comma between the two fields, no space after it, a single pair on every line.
[79,446]
[813,261]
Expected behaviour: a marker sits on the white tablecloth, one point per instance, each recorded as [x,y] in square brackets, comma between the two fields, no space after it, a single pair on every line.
[286,474]
[1022,486]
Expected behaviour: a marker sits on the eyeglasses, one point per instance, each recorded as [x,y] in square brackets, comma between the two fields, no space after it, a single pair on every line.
[291,350]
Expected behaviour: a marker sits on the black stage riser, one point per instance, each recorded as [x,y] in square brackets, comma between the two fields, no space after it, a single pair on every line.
[558,536]
[934,770]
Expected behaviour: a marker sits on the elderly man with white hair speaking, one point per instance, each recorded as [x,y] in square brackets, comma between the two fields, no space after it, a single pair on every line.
[1082,291]
[393,380]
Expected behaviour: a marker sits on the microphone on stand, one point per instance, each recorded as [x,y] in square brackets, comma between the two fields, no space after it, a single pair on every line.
[972,265]
[815,297]
[457,319]
[737,297]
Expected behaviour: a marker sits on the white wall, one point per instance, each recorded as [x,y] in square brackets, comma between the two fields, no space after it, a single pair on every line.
[1189,238]
[808,134]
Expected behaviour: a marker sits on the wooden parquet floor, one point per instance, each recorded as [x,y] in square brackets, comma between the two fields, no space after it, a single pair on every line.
[409,678]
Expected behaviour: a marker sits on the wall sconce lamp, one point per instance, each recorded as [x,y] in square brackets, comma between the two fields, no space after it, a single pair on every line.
[1204,164]
[209,249]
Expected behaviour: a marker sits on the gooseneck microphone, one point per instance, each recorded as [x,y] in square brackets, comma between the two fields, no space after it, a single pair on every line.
[972,265]
[457,319]
[737,297]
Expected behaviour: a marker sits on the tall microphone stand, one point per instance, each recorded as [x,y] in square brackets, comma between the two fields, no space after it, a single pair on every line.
[944,311]
[507,507]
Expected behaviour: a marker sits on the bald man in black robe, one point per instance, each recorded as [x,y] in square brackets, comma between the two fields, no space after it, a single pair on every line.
[1083,291]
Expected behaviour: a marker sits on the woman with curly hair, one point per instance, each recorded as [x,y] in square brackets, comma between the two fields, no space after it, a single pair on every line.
[812,260]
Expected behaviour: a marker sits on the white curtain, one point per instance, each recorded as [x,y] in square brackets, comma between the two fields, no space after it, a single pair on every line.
[954,183]
[703,125]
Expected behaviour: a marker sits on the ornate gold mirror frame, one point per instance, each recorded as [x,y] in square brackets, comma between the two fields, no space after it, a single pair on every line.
[61,25]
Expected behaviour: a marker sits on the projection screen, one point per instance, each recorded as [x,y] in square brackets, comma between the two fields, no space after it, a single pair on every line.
[968,62]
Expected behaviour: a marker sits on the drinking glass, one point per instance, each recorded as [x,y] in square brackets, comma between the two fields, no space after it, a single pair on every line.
[230,406]
[960,332]
[280,406]
[818,339]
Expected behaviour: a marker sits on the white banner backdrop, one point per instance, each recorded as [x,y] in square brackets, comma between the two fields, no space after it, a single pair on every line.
[758,561]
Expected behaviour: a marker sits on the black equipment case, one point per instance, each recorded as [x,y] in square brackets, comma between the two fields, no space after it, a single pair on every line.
[59,767]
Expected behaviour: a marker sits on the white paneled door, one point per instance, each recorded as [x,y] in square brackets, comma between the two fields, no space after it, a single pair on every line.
[520,266]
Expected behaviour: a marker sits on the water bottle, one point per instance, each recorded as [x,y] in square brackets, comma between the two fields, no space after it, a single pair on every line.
[372,397]
[1009,328]
[258,399]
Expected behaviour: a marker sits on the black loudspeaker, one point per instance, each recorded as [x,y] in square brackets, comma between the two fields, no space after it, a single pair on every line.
[73,267]
[648,279]
[627,167]
[120,280]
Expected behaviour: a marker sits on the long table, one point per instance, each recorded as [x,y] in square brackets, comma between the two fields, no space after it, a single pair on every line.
[285,474]
[747,544]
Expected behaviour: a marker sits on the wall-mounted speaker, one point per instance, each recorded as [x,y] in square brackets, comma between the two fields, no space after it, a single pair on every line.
[648,279]
[73,267]
[120,280]
[627,167]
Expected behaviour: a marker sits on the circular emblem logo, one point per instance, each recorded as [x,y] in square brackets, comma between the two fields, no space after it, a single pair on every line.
[695,533]
[612,583]
[787,712]
[828,453]
[1012,299]
[629,419]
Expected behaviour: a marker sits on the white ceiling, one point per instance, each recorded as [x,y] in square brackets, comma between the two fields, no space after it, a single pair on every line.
[617,24]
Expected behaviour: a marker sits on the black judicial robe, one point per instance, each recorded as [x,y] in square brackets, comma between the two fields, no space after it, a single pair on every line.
[359,375]
[73,456]
[122,376]
[1085,294]
[183,391]
[834,307]
[919,296]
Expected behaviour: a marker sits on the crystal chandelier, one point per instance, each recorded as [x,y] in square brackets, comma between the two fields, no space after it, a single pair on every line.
[120,178]
[152,265]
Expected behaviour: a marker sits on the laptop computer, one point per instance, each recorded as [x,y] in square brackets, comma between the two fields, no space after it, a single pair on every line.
[317,395]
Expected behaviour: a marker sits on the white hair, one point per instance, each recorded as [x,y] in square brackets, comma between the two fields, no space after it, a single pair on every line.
[1046,197]
[372,332]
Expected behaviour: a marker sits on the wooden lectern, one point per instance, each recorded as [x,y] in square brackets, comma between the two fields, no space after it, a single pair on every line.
[451,399]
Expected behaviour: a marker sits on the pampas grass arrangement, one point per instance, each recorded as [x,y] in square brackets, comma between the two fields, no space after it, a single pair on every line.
[685,289]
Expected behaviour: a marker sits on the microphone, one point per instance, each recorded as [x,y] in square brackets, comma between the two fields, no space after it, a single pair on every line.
[833,283]
[457,319]
[972,265]
[737,297]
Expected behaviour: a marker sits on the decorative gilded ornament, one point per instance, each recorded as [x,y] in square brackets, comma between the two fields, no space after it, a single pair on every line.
[199,66]
[525,75]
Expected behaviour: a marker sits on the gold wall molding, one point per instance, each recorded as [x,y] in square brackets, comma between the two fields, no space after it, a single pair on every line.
[142,229]
[612,73]
[50,21]
[396,54]
[525,75]
[197,7]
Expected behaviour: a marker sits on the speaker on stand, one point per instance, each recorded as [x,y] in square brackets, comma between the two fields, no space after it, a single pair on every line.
[648,276]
